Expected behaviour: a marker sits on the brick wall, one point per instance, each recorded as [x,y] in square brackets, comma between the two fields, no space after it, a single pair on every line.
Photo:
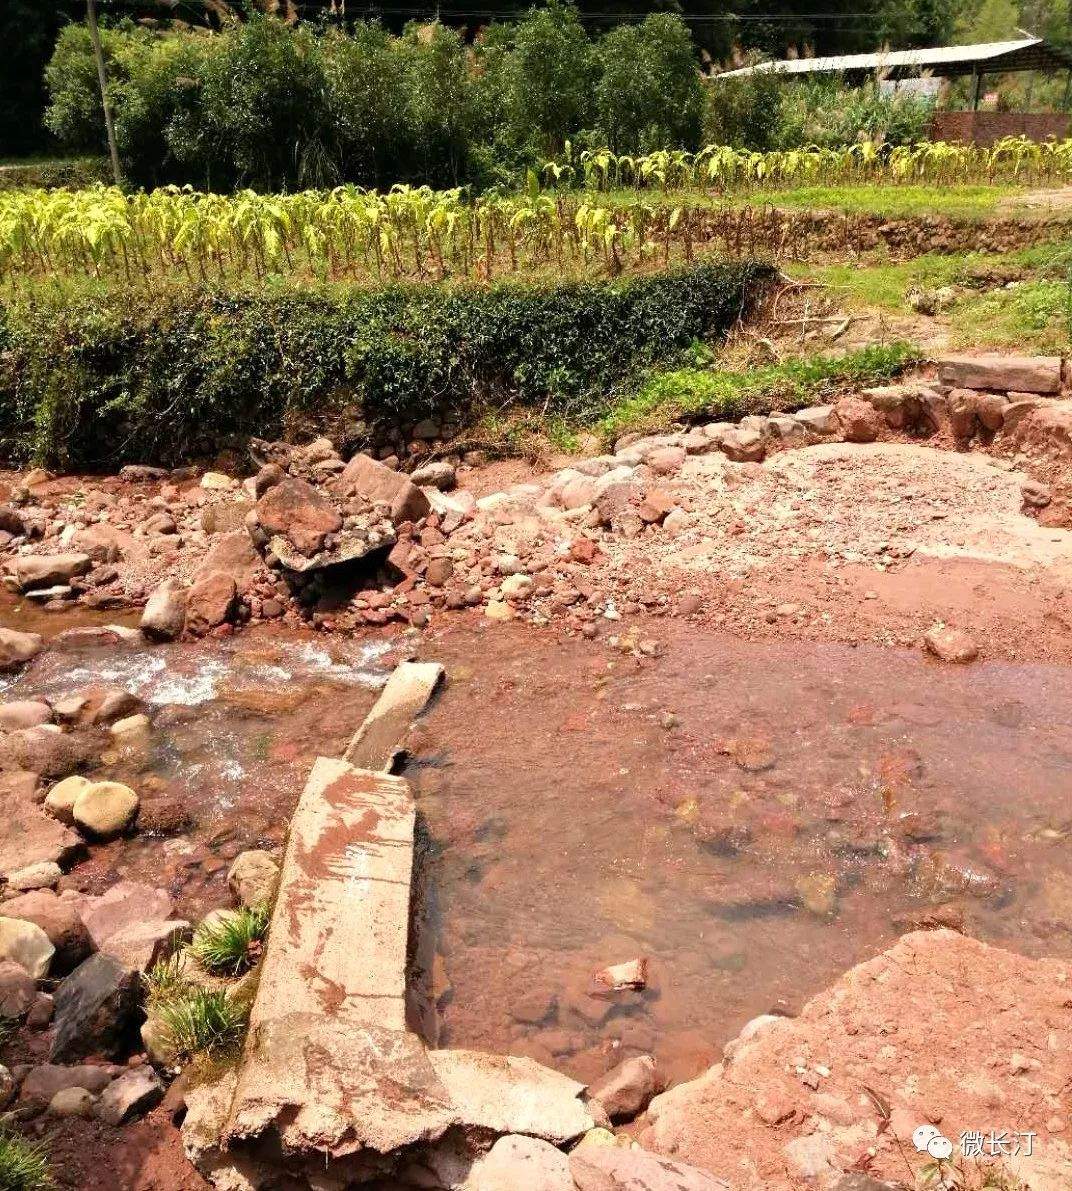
[984,128]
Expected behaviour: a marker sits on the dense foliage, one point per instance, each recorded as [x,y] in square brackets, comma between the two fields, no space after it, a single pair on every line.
[97,383]
[764,112]
[274,106]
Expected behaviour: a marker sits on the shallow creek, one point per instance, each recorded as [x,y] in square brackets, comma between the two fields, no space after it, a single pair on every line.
[753,818]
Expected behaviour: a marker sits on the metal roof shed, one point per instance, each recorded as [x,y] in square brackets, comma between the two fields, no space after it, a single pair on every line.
[993,57]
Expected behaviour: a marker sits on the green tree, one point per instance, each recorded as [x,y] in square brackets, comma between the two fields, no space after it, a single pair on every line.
[649,94]
[550,77]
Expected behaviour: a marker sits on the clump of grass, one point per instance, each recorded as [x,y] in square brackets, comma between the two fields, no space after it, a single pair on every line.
[725,395]
[201,1021]
[23,1164]
[165,980]
[232,944]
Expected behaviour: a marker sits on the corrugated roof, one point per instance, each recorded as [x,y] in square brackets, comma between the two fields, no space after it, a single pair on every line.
[1028,53]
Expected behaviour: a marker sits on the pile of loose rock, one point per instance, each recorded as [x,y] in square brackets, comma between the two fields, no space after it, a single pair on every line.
[311,539]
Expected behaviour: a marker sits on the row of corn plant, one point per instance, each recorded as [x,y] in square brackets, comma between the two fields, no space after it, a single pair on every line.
[344,234]
[722,167]
[407,233]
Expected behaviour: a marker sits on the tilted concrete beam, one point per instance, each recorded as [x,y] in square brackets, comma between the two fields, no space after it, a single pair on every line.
[378,741]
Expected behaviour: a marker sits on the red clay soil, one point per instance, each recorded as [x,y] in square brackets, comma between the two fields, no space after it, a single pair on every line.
[940,1029]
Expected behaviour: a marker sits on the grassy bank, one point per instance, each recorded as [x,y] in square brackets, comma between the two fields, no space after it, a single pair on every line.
[95,384]
[1018,300]
[725,394]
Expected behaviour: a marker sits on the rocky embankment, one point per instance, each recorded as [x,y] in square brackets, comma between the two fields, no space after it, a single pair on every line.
[312,540]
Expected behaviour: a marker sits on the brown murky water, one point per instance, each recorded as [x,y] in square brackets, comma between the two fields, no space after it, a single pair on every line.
[752,818]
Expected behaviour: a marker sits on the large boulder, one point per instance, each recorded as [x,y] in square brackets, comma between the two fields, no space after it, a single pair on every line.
[32,571]
[48,750]
[131,1095]
[625,1090]
[253,878]
[44,1081]
[94,1009]
[125,905]
[16,649]
[210,602]
[26,944]
[105,809]
[364,476]
[298,511]
[515,1162]
[24,713]
[29,836]
[60,800]
[859,420]
[18,989]
[994,371]
[597,1167]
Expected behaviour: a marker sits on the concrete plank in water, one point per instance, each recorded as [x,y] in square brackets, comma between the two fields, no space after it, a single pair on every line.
[378,741]
[337,945]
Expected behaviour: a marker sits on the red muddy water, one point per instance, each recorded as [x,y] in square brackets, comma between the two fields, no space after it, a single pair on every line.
[751,818]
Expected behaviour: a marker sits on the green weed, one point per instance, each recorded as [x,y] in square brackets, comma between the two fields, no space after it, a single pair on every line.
[231,944]
[23,1164]
[201,1021]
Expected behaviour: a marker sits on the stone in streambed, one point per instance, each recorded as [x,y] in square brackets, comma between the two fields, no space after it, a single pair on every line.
[26,944]
[16,649]
[625,1090]
[60,800]
[165,611]
[29,836]
[32,571]
[950,645]
[210,602]
[438,474]
[253,878]
[94,1008]
[17,990]
[596,1167]
[59,918]
[366,477]
[43,1082]
[126,904]
[24,713]
[298,511]
[131,1095]
[516,1162]
[105,808]
[72,1102]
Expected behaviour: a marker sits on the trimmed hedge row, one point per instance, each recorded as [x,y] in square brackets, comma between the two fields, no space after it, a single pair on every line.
[98,383]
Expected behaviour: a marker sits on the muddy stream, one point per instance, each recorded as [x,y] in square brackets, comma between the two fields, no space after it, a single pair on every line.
[753,818]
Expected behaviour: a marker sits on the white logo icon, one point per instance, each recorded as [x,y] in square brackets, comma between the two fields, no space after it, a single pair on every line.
[928,1140]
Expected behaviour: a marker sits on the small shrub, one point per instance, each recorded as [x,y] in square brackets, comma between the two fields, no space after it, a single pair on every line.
[200,1021]
[231,944]
[23,1164]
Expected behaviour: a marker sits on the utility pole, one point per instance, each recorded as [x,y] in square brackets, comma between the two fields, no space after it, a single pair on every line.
[98,53]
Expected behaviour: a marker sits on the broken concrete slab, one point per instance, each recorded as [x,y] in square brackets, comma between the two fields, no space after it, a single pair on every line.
[337,945]
[506,1094]
[378,741]
[318,1085]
